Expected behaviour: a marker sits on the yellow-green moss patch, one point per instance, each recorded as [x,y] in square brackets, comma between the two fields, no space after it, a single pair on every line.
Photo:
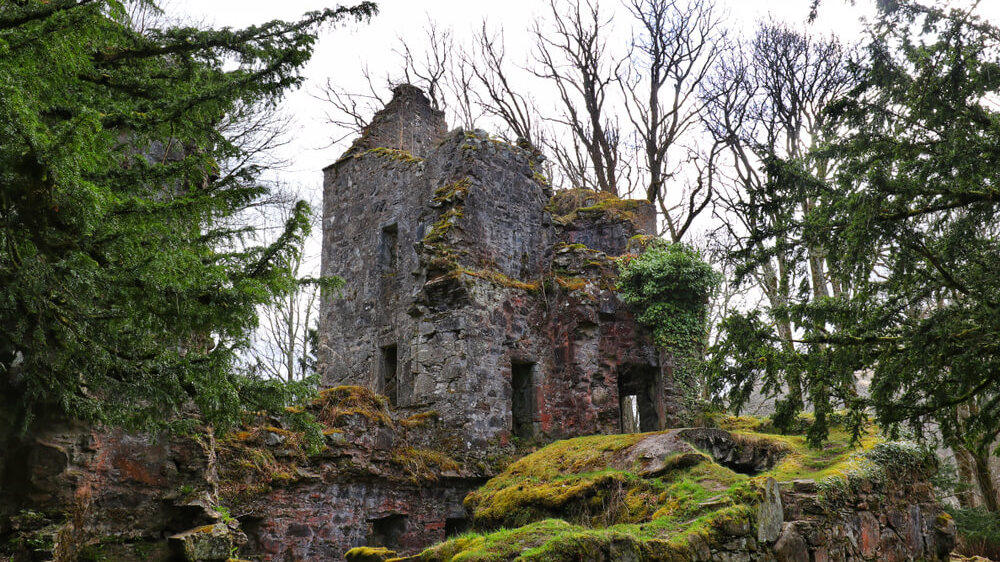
[393,154]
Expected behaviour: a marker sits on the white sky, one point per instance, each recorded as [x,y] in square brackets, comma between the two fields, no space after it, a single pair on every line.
[341,52]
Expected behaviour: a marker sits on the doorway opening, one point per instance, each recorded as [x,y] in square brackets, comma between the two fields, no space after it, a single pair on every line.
[637,399]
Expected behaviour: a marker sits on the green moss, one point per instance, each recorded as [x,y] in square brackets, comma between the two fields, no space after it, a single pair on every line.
[584,499]
[498,278]
[452,192]
[424,465]
[339,402]
[393,154]
[443,225]
[571,283]
[420,419]
[369,554]
[569,204]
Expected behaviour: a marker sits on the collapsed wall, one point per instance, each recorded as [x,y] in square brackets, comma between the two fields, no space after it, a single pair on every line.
[269,490]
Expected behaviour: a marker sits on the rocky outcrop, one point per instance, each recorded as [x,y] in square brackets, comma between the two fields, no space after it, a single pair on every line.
[276,489]
[665,496]
[361,483]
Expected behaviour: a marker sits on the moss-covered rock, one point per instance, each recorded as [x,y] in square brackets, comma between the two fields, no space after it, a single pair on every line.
[369,554]
[670,495]
[206,543]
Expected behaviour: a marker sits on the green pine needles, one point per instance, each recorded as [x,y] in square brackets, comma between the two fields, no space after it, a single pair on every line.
[127,283]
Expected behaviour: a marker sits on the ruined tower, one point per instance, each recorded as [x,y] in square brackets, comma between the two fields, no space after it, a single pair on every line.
[474,291]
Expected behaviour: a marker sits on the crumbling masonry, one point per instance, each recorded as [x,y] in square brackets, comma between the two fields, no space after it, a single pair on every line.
[474,291]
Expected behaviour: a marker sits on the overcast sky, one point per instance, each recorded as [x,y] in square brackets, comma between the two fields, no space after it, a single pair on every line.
[342,52]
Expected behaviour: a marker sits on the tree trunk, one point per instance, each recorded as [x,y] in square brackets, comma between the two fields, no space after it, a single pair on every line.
[968,498]
[984,478]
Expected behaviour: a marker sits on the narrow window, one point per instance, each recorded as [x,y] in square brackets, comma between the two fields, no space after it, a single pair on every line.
[523,401]
[387,531]
[390,374]
[637,399]
[388,248]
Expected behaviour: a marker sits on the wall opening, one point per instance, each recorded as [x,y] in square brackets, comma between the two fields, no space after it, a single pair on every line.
[390,373]
[523,403]
[454,526]
[388,248]
[637,399]
[386,531]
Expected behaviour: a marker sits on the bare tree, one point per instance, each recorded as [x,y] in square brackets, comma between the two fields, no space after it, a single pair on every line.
[764,101]
[574,57]
[428,69]
[497,96]
[676,45]
[283,346]
[350,112]
[440,69]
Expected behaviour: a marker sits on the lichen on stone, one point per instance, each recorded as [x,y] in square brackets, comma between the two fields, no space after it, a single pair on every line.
[655,496]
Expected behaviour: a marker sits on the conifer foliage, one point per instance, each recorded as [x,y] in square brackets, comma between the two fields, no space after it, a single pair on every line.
[125,285]
[910,223]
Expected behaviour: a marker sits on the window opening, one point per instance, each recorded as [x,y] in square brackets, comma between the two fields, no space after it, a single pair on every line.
[389,248]
[390,374]
[523,401]
[386,531]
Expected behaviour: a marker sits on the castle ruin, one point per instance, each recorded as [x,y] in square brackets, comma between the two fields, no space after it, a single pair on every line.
[475,291]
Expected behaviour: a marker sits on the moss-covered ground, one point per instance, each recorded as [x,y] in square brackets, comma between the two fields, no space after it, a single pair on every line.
[590,497]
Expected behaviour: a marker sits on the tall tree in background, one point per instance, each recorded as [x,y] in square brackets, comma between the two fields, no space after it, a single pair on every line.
[284,345]
[768,103]
[126,291]
[573,56]
[672,53]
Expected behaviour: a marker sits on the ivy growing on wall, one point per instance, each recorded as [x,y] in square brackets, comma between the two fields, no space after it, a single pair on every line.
[669,286]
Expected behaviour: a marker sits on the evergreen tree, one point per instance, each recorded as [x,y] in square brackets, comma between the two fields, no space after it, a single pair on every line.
[912,216]
[125,289]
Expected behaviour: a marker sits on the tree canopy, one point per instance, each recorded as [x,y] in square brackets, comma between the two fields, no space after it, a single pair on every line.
[126,285]
[910,222]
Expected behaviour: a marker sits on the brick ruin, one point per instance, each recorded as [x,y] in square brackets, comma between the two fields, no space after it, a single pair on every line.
[475,291]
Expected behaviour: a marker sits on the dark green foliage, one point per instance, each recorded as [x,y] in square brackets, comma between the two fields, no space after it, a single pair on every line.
[978,532]
[125,284]
[911,223]
[669,286]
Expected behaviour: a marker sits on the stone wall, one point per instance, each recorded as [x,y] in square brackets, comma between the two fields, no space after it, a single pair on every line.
[71,492]
[895,520]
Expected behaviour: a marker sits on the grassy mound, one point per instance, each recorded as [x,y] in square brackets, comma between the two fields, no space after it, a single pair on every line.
[653,496]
